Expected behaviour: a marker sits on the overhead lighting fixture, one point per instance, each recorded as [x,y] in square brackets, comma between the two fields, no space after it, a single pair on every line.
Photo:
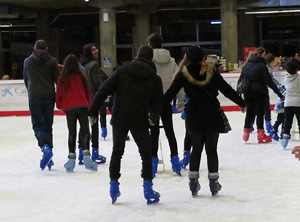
[6,26]
[272,12]
[86,0]
[215,22]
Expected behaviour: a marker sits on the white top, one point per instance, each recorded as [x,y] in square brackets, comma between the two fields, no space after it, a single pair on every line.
[292,94]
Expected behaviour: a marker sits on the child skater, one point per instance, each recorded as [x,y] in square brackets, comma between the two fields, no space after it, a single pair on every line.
[292,100]
[279,109]
[73,97]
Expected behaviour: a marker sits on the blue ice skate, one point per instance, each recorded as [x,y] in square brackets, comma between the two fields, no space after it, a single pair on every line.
[104,133]
[114,190]
[128,138]
[251,127]
[47,156]
[274,135]
[186,159]
[285,140]
[99,159]
[176,167]
[174,110]
[150,195]
[70,165]
[88,163]
[80,157]
[269,126]
[154,166]
[50,164]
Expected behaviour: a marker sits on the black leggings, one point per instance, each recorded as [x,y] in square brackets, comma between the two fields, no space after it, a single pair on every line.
[289,113]
[166,118]
[210,141]
[255,107]
[80,114]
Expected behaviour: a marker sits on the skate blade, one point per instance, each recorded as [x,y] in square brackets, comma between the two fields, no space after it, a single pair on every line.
[152,201]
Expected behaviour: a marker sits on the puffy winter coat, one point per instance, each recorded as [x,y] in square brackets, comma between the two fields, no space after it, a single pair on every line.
[137,92]
[201,83]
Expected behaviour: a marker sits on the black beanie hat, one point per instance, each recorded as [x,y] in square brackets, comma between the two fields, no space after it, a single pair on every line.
[194,54]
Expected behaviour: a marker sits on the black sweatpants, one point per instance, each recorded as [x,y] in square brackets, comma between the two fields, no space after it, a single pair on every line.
[142,140]
[80,114]
[210,141]
[167,121]
[187,142]
[255,102]
[289,113]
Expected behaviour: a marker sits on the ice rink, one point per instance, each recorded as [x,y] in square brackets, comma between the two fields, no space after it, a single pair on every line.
[261,182]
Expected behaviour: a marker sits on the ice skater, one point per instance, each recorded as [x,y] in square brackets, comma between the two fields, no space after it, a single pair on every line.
[292,101]
[201,82]
[138,102]
[73,97]
[40,74]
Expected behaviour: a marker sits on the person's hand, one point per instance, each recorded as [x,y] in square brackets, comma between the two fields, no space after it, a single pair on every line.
[92,120]
[296,151]
[243,109]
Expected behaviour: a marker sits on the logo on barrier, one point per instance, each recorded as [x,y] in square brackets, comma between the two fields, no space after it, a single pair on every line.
[6,91]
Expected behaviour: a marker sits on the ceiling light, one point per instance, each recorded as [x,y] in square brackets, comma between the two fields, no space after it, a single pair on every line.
[215,22]
[272,12]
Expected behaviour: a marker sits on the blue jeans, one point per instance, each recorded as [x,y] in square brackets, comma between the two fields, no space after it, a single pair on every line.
[41,110]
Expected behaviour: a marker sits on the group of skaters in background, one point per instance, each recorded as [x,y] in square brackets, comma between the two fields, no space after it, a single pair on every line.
[146,87]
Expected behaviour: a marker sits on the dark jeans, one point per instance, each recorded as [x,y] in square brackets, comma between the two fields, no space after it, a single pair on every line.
[142,140]
[41,111]
[105,105]
[289,113]
[280,120]
[80,114]
[210,141]
[255,107]
[167,121]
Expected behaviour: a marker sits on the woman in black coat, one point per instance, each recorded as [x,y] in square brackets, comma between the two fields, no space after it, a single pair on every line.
[201,83]
[258,75]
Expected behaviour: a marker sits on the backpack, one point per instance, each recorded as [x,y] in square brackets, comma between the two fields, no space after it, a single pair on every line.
[243,84]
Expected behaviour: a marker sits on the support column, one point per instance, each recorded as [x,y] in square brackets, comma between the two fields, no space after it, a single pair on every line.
[43,26]
[142,28]
[1,58]
[108,46]
[229,30]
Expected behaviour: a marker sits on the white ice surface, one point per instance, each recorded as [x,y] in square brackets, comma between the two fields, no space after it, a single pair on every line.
[261,182]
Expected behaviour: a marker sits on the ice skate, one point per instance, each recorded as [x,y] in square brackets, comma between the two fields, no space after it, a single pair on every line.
[70,165]
[154,166]
[80,157]
[47,156]
[176,167]
[89,164]
[194,186]
[262,137]
[246,134]
[99,159]
[214,186]
[186,159]
[104,133]
[285,140]
[50,164]
[269,126]
[150,195]
[114,190]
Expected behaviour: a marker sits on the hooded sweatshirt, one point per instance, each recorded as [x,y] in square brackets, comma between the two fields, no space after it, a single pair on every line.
[165,66]
[292,93]
[138,92]
[40,73]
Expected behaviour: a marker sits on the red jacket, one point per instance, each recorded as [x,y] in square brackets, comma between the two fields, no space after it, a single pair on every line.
[76,95]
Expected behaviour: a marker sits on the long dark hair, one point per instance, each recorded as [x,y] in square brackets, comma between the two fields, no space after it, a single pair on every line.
[87,55]
[71,68]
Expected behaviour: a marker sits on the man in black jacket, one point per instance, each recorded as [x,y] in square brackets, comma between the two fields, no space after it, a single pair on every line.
[137,104]
[40,73]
